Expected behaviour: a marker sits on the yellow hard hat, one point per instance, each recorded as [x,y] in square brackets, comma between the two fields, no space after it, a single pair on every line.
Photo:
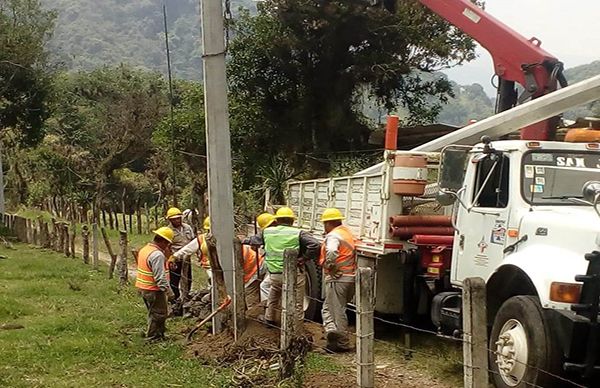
[265,220]
[332,214]
[164,232]
[206,223]
[174,213]
[284,212]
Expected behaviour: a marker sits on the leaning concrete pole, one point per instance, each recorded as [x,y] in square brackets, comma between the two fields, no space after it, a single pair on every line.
[218,143]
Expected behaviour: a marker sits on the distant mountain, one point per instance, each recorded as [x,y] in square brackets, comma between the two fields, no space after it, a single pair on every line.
[90,33]
[579,73]
[470,102]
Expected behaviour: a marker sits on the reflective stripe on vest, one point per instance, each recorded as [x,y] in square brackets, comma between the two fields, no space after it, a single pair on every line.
[204,262]
[346,260]
[250,262]
[277,239]
[144,277]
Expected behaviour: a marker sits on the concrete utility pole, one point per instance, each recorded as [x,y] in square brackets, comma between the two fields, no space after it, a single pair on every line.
[218,145]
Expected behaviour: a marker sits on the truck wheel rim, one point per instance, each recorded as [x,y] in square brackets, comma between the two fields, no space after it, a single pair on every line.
[512,352]
[307,288]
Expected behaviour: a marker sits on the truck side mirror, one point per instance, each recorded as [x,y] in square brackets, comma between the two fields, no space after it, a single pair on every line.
[446,198]
[590,190]
[452,168]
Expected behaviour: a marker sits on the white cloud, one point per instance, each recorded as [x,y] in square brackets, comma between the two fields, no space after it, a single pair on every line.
[567,29]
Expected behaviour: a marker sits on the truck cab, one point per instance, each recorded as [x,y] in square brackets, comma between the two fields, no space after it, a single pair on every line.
[522,224]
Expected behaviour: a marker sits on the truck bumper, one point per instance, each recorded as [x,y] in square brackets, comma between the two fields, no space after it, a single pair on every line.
[574,333]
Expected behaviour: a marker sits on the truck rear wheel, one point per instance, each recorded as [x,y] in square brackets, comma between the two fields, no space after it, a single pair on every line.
[312,292]
[522,345]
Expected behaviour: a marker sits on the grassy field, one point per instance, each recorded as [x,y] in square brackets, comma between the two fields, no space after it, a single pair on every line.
[80,330]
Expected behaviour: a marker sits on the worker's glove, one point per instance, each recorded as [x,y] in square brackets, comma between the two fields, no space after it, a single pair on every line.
[332,270]
[170,294]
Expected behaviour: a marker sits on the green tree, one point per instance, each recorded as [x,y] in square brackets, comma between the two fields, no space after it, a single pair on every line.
[24,75]
[183,144]
[102,122]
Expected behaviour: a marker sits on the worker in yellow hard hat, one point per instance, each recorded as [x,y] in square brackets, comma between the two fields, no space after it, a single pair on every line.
[338,259]
[152,281]
[277,239]
[197,246]
[179,266]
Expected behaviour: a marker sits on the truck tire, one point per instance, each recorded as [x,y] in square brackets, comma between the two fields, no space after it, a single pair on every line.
[312,300]
[520,328]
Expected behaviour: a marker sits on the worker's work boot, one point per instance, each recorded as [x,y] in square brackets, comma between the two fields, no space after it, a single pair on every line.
[267,322]
[333,338]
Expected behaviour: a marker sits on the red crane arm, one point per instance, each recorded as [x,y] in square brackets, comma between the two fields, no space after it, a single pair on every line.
[516,59]
[513,54]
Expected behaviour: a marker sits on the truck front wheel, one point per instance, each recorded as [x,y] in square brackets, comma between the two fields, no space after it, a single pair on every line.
[312,284]
[522,345]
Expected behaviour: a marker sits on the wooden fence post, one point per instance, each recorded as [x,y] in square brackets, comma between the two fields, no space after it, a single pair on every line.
[28,231]
[67,246]
[239,299]
[218,288]
[72,239]
[289,318]
[85,243]
[475,356]
[36,234]
[44,234]
[123,273]
[365,334]
[95,258]
[113,256]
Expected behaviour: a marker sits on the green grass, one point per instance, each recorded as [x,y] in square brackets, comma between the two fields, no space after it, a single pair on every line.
[81,330]
[439,357]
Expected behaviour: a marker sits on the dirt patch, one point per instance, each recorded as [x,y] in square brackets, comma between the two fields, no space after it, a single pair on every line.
[254,359]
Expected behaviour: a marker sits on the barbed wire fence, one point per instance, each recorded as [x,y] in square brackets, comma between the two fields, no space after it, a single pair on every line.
[59,236]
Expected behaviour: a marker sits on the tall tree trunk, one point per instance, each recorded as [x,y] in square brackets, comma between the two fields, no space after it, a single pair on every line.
[138,214]
[123,211]
[116,218]
[104,218]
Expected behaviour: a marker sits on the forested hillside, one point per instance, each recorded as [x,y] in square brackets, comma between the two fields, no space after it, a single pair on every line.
[91,33]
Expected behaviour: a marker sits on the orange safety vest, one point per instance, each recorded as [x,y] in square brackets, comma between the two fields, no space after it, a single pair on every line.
[145,278]
[204,262]
[250,262]
[346,260]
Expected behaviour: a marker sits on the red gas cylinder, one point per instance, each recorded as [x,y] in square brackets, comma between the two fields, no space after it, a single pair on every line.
[409,174]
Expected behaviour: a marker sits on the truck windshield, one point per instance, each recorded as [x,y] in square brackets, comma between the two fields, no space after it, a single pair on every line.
[556,177]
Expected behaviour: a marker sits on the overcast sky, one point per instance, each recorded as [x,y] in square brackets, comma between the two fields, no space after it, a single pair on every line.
[568,29]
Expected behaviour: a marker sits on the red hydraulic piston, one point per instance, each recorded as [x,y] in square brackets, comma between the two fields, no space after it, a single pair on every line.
[391,133]
[405,232]
[420,221]
[427,239]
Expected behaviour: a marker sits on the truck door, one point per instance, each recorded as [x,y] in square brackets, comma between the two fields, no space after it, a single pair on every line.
[482,224]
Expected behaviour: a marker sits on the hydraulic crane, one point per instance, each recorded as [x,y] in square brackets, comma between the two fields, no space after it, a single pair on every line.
[517,60]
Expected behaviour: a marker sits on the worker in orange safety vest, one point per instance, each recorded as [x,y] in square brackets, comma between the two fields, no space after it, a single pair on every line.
[338,259]
[152,281]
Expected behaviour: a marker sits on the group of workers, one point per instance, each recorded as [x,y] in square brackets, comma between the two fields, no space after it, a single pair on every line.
[163,262]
